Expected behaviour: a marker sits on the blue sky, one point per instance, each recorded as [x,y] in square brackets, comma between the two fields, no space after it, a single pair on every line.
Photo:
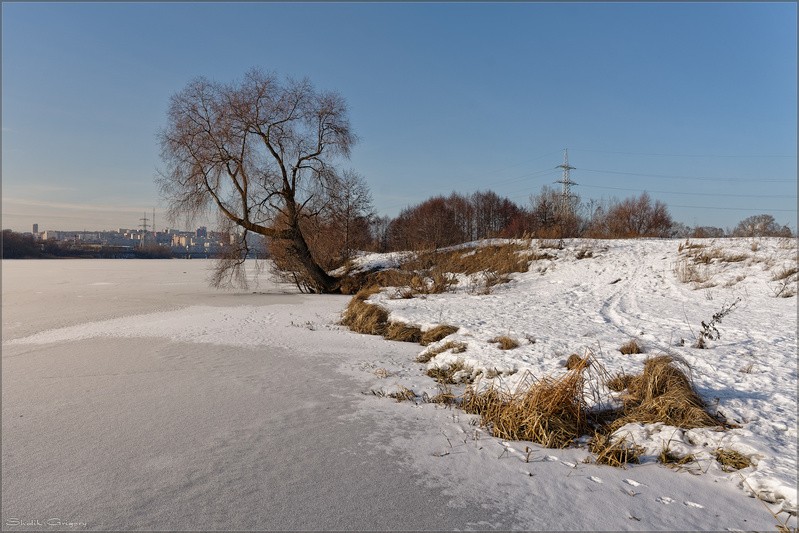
[694,102]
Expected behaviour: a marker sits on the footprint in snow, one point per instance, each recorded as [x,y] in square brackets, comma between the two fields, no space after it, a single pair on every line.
[596,479]
[551,458]
[665,500]
[632,482]
[696,505]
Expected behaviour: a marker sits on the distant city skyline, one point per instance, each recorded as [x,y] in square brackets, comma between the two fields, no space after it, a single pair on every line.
[695,103]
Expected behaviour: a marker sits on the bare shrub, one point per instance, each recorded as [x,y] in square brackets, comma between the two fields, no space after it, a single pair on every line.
[709,330]
[638,217]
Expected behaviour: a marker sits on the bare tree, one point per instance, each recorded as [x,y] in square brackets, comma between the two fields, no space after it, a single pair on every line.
[259,151]
[638,217]
[351,212]
[761,226]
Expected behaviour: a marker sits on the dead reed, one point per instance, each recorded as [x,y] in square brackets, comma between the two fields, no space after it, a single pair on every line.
[663,393]
[437,333]
[550,412]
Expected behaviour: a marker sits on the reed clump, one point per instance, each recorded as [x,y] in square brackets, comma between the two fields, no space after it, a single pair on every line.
[663,393]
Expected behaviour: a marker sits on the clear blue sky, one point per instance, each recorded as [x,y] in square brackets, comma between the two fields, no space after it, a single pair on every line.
[445,96]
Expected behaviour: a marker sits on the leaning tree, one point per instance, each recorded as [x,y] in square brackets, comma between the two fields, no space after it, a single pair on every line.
[262,153]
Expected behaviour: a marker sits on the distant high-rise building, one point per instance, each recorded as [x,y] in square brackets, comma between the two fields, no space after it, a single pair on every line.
[36,229]
[202,231]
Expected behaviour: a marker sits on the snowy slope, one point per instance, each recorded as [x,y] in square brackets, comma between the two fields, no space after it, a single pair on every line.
[630,290]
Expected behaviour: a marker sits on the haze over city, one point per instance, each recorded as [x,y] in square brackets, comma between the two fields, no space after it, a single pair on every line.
[694,103]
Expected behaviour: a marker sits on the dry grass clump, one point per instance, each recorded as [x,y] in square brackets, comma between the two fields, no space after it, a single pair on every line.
[551,412]
[619,382]
[364,317]
[688,245]
[446,374]
[663,393]
[437,333]
[575,361]
[688,272]
[631,347]
[618,453]
[669,458]
[399,331]
[731,460]
[505,343]
[785,273]
[455,346]
[445,396]
[403,394]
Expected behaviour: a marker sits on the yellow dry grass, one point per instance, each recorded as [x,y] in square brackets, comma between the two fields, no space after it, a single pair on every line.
[731,460]
[399,331]
[663,393]
[614,452]
[437,333]
[364,317]
[631,347]
[551,412]
[505,342]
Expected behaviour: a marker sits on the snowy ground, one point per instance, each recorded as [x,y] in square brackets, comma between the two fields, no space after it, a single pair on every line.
[135,397]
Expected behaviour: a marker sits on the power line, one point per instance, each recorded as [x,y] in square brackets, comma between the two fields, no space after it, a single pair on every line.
[768,156]
[761,210]
[693,193]
[697,178]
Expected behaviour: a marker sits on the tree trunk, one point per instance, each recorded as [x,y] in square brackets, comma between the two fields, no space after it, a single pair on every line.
[324,282]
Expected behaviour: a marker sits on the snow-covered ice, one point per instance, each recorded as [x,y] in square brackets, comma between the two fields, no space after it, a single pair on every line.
[135,397]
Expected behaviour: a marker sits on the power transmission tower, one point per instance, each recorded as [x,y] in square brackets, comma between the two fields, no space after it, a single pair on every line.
[566,196]
[144,226]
